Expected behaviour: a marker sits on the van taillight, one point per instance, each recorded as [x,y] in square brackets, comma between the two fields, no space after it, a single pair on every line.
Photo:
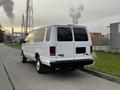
[52,51]
[91,49]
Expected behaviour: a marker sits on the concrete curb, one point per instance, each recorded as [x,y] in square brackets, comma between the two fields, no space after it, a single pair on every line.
[102,75]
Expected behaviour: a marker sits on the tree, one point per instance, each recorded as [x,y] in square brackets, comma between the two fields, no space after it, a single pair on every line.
[1,34]
[1,27]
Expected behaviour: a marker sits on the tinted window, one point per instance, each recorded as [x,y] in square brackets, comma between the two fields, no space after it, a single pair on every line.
[39,35]
[48,34]
[80,34]
[64,34]
[36,38]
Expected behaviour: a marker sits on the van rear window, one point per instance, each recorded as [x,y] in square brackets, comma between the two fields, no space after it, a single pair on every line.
[64,34]
[80,34]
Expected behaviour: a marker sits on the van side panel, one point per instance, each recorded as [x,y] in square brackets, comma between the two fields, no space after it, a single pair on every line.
[39,45]
[43,48]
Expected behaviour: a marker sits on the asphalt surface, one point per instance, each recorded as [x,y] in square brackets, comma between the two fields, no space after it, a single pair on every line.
[15,75]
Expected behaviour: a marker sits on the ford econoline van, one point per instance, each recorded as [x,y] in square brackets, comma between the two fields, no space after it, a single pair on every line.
[58,46]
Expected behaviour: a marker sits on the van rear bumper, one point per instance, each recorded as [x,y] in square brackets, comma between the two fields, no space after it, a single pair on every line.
[71,63]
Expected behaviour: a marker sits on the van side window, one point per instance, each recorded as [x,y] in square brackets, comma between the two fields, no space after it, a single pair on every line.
[80,34]
[64,34]
[36,38]
[48,34]
[39,35]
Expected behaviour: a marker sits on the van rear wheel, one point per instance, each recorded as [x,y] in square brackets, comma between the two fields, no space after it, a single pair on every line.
[81,67]
[71,68]
[41,68]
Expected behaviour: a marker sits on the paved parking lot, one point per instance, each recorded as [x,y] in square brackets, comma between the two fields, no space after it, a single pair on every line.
[24,76]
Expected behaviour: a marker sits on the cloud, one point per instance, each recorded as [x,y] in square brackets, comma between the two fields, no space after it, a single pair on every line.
[8,8]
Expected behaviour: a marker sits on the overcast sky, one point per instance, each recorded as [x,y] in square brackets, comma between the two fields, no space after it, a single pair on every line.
[56,11]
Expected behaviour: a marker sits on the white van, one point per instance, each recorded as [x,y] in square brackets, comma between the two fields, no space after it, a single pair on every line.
[58,46]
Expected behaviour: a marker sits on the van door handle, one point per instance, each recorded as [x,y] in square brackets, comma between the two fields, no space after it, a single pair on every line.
[61,55]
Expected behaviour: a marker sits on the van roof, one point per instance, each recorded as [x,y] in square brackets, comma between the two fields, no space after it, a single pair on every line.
[69,25]
[72,25]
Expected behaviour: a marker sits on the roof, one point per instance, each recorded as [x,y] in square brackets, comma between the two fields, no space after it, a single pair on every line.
[69,25]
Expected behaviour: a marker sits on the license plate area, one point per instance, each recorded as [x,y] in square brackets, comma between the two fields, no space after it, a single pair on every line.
[80,50]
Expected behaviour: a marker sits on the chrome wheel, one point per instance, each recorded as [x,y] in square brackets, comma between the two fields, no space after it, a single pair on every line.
[21,56]
[41,68]
[38,65]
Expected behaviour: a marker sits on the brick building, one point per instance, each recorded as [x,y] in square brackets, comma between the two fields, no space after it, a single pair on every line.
[96,38]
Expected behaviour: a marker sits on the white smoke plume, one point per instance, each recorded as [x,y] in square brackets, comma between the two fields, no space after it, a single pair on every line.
[8,6]
[76,12]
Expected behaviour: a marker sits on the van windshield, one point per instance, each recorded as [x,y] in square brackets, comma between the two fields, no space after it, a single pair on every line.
[80,34]
[64,34]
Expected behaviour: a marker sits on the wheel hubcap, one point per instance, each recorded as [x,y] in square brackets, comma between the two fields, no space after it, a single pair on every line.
[22,56]
[38,65]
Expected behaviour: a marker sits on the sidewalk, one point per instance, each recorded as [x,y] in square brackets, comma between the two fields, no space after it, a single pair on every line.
[4,82]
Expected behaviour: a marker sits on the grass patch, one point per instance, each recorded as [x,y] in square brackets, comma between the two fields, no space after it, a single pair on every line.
[15,45]
[107,62]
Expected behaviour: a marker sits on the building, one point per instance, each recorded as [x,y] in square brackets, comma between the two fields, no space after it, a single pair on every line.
[99,41]
[96,38]
[115,37]
[110,30]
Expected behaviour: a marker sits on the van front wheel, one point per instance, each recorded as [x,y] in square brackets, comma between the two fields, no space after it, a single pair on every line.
[24,59]
[41,68]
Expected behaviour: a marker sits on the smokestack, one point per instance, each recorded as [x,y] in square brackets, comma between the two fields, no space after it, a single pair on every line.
[76,12]
[8,8]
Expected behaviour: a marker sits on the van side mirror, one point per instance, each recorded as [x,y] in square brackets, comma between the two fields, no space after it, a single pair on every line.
[22,41]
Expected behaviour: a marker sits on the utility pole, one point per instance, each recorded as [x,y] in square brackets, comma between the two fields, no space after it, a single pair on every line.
[29,16]
[12,35]
[23,25]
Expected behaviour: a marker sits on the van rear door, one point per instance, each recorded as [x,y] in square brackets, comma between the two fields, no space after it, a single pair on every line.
[64,49]
[81,43]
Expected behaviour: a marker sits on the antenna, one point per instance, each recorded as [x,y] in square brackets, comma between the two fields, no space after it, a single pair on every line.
[29,16]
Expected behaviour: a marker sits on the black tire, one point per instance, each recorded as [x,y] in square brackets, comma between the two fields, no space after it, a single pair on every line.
[41,68]
[81,67]
[72,69]
[24,59]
